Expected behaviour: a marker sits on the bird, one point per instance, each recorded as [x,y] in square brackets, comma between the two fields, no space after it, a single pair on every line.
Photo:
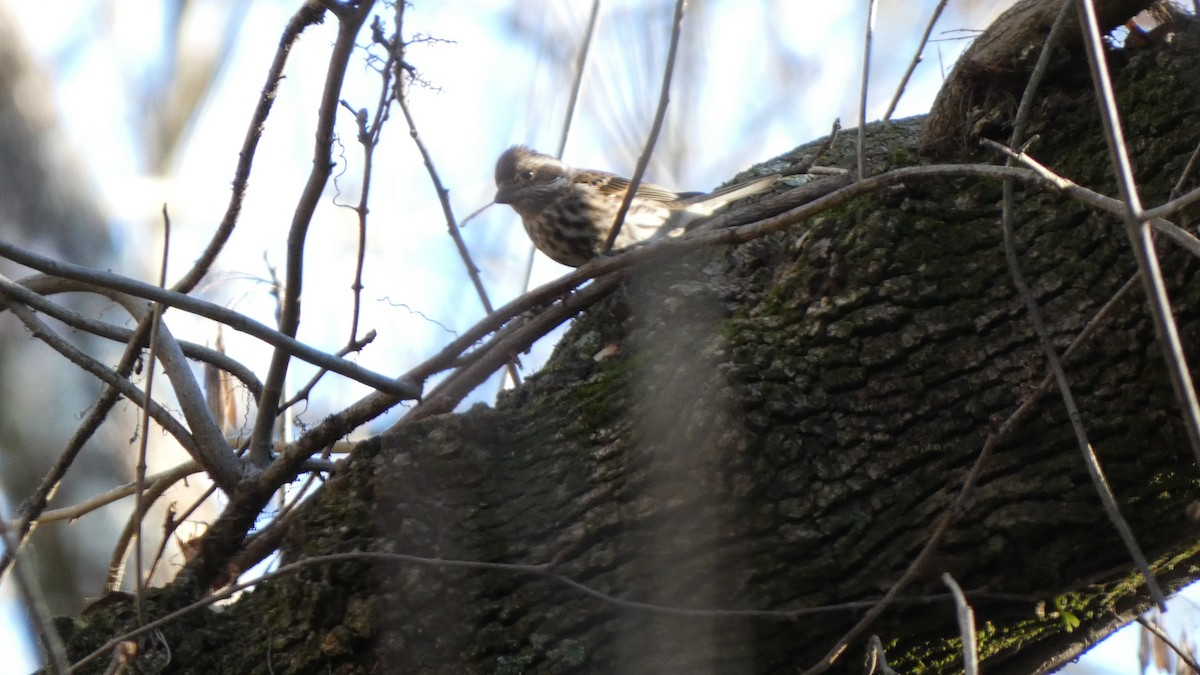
[569,212]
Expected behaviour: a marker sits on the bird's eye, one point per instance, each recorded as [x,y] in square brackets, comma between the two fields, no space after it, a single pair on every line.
[527,174]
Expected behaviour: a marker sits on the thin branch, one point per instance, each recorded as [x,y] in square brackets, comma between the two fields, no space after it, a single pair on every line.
[451,391]
[36,503]
[116,564]
[349,24]
[35,603]
[805,166]
[1008,208]
[170,476]
[950,513]
[168,527]
[215,455]
[126,389]
[40,285]
[577,82]
[877,658]
[1175,205]
[863,89]
[205,442]
[1186,174]
[1184,654]
[1085,196]
[405,389]
[307,15]
[369,134]
[545,571]
[1137,228]
[660,114]
[443,194]
[303,392]
[916,59]
[966,626]
[139,508]
[447,210]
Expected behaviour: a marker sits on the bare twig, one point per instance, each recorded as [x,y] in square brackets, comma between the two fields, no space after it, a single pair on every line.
[35,603]
[545,571]
[576,86]
[1186,174]
[173,475]
[213,453]
[916,59]
[37,501]
[451,391]
[307,15]
[966,626]
[139,509]
[447,210]
[164,540]
[116,564]
[807,165]
[39,285]
[864,88]
[442,193]
[172,525]
[205,438]
[577,82]
[1138,230]
[349,23]
[664,97]
[303,393]
[221,470]
[1008,208]
[239,322]
[1085,196]
[1184,654]
[369,133]
[876,659]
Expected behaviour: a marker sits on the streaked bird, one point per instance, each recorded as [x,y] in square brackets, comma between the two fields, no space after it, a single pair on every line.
[569,212]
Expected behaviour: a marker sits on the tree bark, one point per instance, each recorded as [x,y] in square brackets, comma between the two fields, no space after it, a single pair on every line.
[782,427]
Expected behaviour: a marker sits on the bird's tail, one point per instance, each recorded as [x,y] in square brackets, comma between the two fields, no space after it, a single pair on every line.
[706,204]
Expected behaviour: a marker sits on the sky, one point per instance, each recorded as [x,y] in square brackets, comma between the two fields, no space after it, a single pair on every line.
[765,77]
[751,104]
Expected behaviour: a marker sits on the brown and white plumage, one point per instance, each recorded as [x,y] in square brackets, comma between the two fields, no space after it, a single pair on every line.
[568,212]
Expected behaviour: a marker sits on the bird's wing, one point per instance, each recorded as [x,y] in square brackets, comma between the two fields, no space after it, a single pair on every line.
[614,184]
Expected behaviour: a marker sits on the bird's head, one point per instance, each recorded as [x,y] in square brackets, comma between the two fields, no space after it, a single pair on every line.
[526,177]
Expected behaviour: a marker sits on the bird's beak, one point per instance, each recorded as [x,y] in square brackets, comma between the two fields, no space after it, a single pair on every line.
[504,195]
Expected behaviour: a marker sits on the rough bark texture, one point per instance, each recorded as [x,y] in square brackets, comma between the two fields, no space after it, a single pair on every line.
[782,426]
[983,90]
